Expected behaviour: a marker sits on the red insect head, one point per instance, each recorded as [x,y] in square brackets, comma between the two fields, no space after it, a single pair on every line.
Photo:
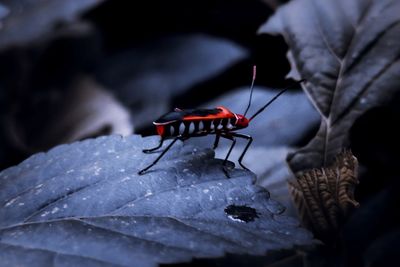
[242,121]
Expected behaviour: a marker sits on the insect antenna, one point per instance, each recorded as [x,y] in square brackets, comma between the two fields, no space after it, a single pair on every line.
[251,89]
[274,98]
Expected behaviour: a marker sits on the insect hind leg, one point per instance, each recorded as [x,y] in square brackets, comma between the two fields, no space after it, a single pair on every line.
[150,150]
[179,137]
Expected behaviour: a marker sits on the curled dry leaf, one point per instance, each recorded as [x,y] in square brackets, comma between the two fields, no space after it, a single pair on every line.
[349,53]
[325,197]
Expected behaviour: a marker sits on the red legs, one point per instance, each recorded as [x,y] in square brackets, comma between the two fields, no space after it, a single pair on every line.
[179,137]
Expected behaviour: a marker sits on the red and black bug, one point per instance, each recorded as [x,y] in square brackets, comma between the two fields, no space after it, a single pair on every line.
[184,124]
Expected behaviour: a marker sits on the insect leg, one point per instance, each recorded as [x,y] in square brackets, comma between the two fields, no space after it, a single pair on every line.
[230,149]
[250,140]
[228,154]
[216,142]
[147,151]
[160,156]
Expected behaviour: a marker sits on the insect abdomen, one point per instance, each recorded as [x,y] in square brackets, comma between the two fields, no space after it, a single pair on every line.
[196,127]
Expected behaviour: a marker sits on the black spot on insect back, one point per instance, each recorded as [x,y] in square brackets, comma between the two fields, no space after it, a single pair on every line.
[180,115]
[202,112]
[170,117]
[241,213]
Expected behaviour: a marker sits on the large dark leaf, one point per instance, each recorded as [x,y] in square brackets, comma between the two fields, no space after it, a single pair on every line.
[84,205]
[349,53]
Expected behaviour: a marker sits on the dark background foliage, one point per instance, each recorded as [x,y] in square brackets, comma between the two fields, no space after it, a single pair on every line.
[114,66]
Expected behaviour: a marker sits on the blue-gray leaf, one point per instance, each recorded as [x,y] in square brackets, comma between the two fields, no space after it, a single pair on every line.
[83,204]
[348,51]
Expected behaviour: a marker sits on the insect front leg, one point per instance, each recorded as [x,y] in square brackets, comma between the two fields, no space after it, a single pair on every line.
[250,140]
[161,155]
[147,151]
[224,168]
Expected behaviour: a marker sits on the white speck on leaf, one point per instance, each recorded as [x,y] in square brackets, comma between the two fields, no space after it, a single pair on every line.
[44,214]
[125,223]
[10,202]
[56,209]
[97,170]
[363,100]
[125,179]
[235,219]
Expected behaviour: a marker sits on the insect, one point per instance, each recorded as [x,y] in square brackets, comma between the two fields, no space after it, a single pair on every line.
[184,124]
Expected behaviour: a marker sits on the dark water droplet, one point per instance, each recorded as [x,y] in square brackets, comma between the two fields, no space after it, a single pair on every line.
[241,213]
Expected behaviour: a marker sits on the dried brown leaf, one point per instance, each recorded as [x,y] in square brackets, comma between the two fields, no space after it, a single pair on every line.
[325,197]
